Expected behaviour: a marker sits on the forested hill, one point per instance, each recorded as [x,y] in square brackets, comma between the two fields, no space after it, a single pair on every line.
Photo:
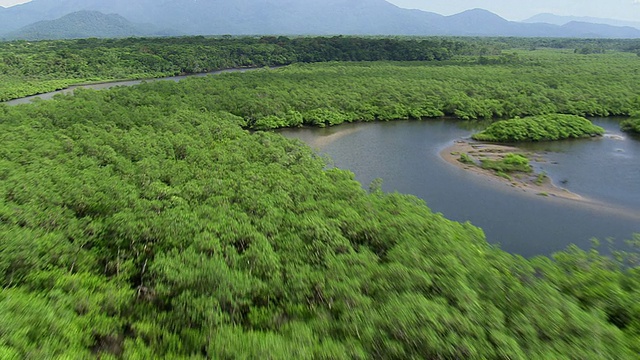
[81,24]
[299,17]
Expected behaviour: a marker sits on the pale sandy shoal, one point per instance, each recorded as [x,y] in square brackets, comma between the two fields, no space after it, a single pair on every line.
[521,182]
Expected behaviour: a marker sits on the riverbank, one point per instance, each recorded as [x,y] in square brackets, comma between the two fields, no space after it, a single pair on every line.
[534,183]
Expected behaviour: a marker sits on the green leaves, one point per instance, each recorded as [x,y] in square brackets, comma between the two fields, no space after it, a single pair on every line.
[539,128]
[632,124]
[509,163]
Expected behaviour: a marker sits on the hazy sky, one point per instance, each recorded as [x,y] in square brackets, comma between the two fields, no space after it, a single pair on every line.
[513,9]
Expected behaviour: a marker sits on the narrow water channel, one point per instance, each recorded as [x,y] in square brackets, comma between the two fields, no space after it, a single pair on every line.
[110,84]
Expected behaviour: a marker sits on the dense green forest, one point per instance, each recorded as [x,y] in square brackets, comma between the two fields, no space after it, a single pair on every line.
[539,128]
[139,230]
[28,68]
[149,222]
[517,84]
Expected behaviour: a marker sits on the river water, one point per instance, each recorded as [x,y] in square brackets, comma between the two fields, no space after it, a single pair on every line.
[405,154]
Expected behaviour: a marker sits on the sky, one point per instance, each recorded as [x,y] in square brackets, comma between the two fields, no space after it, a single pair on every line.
[7,3]
[513,9]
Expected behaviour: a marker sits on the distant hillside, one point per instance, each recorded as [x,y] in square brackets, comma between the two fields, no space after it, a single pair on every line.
[296,17]
[241,17]
[80,24]
[479,22]
[602,30]
[562,20]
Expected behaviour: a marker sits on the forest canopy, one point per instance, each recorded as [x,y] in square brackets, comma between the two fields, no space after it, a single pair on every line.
[28,68]
[518,84]
[137,231]
[148,222]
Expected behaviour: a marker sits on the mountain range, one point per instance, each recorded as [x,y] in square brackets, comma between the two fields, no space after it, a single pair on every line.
[562,20]
[40,19]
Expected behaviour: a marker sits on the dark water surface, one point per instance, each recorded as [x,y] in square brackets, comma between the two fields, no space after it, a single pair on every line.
[405,154]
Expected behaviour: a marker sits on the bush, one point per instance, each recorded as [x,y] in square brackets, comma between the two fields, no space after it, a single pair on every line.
[539,128]
[466,159]
[508,164]
[632,124]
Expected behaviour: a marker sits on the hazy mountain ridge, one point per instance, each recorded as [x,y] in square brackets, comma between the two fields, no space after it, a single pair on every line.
[563,20]
[301,17]
[602,30]
[83,24]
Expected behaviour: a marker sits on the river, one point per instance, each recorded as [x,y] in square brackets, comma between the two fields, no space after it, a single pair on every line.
[405,155]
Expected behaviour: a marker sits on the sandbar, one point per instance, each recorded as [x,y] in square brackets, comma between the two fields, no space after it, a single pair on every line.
[522,182]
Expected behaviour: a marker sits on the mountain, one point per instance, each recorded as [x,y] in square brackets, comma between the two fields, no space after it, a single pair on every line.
[479,22]
[297,17]
[602,30]
[562,20]
[81,24]
[239,17]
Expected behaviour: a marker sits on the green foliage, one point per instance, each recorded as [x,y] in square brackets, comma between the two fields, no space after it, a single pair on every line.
[590,50]
[539,128]
[466,159]
[513,84]
[632,124]
[509,163]
[28,68]
[145,222]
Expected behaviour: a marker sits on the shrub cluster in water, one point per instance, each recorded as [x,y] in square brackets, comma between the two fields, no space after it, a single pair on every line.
[539,128]
[510,163]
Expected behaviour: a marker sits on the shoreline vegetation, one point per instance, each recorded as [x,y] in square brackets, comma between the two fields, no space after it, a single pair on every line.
[632,125]
[108,84]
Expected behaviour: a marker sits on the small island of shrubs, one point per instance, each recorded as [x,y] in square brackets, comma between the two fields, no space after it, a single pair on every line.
[509,163]
[539,128]
[502,163]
